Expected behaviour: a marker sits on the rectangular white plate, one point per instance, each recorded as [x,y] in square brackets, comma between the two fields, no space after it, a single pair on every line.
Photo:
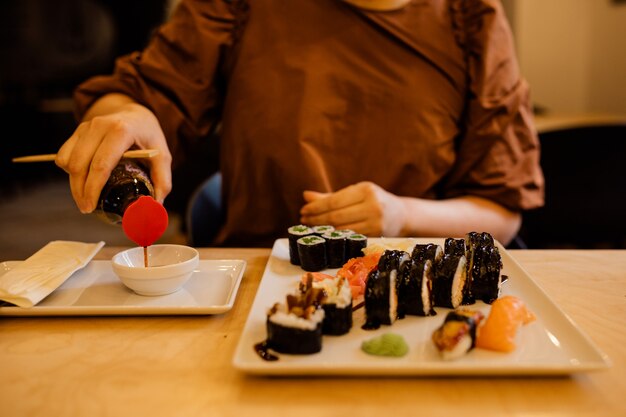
[96,290]
[551,345]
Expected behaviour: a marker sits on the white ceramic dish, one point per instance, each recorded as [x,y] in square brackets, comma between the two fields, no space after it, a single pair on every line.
[96,290]
[169,267]
[552,345]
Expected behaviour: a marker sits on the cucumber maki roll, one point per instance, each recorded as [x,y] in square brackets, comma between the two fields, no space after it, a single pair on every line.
[296,327]
[337,304]
[320,230]
[449,277]
[354,245]
[294,233]
[312,253]
[335,248]
[381,297]
[457,334]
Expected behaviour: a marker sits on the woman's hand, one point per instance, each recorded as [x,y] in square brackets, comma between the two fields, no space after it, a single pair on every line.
[367,208]
[114,124]
[364,207]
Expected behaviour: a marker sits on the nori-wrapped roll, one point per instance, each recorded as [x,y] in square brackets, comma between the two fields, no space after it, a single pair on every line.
[294,233]
[381,298]
[296,327]
[487,281]
[457,334]
[354,245]
[320,230]
[449,277]
[427,251]
[335,248]
[312,253]
[454,246]
[483,268]
[292,339]
[337,304]
[415,295]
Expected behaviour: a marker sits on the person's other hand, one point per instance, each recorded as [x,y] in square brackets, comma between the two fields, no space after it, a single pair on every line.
[364,207]
[97,145]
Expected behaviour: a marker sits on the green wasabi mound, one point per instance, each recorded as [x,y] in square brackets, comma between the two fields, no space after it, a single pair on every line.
[388,344]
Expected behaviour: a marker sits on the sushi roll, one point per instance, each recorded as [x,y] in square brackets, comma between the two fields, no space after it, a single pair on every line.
[296,327]
[337,303]
[381,297]
[449,277]
[415,296]
[483,268]
[355,244]
[320,230]
[427,251]
[294,233]
[335,248]
[486,279]
[312,253]
[454,246]
[457,334]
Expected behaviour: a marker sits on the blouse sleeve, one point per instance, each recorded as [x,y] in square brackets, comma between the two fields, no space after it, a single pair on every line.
[175,76]
[498,150]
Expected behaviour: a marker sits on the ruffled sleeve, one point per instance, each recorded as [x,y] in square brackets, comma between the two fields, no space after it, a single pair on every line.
[498,149]
[177,75]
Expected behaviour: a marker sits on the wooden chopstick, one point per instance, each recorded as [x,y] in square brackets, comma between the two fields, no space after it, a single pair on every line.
[135,153]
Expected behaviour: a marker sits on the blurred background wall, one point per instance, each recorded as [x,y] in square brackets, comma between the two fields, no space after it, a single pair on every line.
[573,53]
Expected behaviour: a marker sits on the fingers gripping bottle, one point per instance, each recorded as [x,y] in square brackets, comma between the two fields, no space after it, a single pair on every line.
[128,181]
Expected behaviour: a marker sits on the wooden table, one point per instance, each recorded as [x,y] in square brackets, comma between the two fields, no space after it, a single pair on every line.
[181,366]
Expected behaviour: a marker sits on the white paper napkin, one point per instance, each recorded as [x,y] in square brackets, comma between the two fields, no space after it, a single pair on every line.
[35,278]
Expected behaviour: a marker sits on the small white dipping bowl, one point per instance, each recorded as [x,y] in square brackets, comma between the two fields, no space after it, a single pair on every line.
[169,267]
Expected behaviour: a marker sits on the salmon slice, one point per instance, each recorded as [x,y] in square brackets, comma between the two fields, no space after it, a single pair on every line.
[498,333]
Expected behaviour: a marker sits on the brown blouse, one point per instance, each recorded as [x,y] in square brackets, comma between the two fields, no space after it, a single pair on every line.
[426,101]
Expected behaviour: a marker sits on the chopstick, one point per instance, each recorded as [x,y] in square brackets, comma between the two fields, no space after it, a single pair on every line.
[136,153]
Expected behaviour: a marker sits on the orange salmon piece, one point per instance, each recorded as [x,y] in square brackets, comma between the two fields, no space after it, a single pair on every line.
[498,333]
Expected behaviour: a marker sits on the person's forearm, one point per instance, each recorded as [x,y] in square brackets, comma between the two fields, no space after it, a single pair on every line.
[451,217]
[107,104]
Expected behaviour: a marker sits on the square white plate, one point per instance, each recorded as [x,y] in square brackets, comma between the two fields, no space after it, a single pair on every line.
[96,290]
[551,345]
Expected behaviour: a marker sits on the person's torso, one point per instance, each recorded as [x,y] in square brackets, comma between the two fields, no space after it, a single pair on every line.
[323,95]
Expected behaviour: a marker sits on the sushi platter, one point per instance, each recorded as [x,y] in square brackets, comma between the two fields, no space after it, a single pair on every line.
[551,345]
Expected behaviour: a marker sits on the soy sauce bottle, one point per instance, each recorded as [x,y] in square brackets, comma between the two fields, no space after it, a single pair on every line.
[128,181]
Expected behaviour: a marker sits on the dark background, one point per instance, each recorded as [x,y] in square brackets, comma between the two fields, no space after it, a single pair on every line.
[47,48]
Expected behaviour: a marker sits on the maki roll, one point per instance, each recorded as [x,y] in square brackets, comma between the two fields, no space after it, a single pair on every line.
[296,327]
[381,297]
[320,230]
[337,304]
[483,268]
[427,251]
[415,296]
[449,277]
[457,334]
[355,244]
[454,246]
[486,279]
[335,248]
[294,233]
[312,253]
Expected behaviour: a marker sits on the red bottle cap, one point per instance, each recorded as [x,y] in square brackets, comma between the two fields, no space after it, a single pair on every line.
[144,221]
